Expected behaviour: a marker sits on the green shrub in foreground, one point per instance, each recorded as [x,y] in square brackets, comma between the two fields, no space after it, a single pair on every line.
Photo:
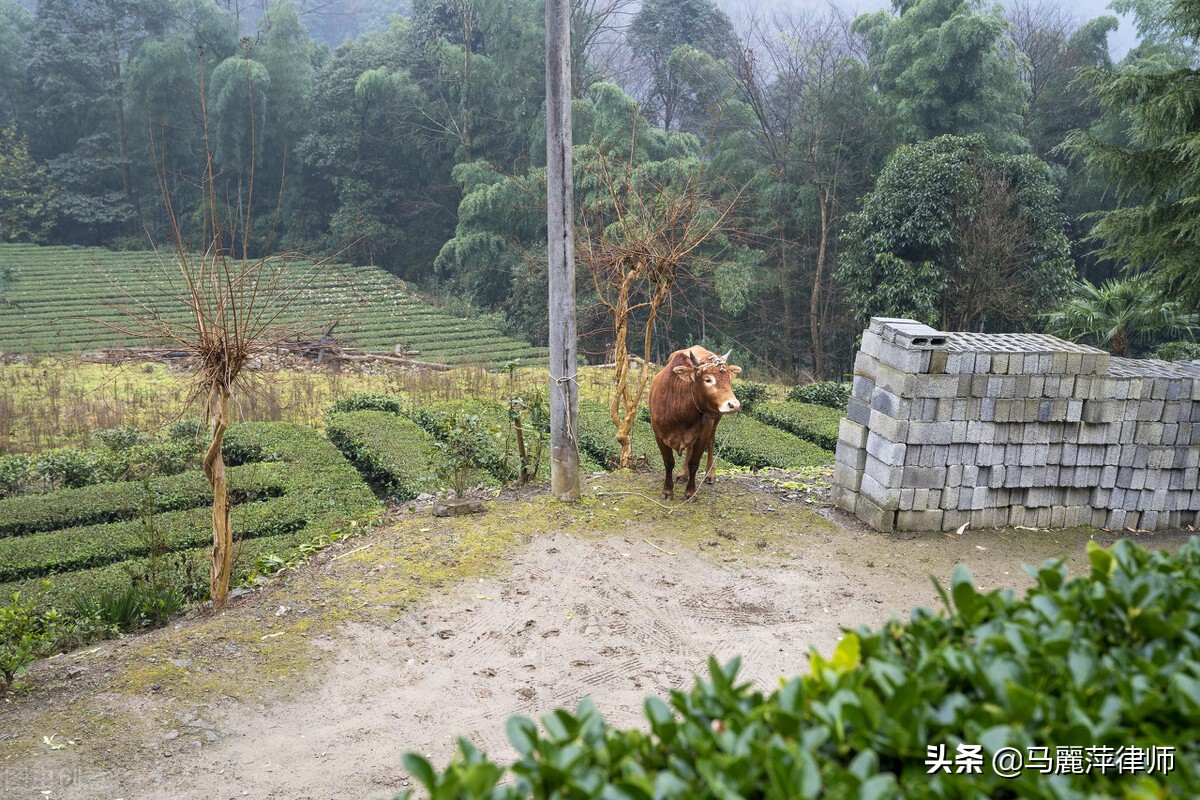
[817,424]
[1110,660]
[822,393]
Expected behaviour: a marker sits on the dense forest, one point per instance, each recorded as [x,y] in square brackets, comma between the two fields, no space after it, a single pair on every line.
[976,167]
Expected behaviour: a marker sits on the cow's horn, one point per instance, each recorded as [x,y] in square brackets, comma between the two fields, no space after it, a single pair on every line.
[727,355]
[695,361]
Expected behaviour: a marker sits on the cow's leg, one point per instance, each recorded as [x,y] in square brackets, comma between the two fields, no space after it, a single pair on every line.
[693,463]
[710,472]
[668,457]
[683,470]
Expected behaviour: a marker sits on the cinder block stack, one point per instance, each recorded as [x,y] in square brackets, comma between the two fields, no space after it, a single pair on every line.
[950,428]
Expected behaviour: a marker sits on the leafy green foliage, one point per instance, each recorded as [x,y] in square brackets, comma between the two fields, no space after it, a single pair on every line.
[1109,660]
[461,443]
[1150,160]
[295,489]
[747,442]
[392,452]
[946,66]
[370,401]
[477,431]
[822,393]
[958,237]
[26,197]
[815,423]
[750,394]
[661,26]
[1118,314]
[1177,351]
[25,634]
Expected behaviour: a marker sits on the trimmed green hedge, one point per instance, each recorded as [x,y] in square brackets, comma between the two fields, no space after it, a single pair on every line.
[745,441]
[41,554]
[66,588]
[817,424]
[1108,661]
[313,492]
[106,502]
[392,452]
[822,393]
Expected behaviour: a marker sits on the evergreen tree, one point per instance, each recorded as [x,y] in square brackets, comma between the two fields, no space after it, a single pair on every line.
[958,237]
[660,27]
[1155,169]
[947,67]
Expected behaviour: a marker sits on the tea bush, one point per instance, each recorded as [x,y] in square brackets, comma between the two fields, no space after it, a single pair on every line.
[822,393]
[392,452]
[299,490]
[25,634]
[750,394]
[370,401]
[496,452]
[745,441]
[817,424]
[1106,661]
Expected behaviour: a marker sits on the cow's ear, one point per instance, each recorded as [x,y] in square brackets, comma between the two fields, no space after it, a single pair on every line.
[734,370]
[685,373]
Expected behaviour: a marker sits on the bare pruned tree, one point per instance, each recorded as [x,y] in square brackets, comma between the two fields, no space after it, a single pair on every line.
[221,308]
[642,231]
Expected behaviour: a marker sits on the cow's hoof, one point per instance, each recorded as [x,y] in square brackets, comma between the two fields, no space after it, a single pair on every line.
[710,479]
[681,478]
[668,495]
[689,495]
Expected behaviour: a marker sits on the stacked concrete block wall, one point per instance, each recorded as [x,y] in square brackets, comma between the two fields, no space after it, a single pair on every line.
[1015,429]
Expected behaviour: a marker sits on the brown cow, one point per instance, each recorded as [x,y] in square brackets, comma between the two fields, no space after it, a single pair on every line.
[687,399]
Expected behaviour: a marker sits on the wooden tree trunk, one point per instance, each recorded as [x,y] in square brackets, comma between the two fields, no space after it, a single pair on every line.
[814,310]
[621,417]
[214,470]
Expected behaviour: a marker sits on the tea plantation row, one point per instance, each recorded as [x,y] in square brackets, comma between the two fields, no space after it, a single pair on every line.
[64,300]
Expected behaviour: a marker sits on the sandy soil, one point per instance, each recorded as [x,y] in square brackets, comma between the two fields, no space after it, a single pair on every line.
[602,602]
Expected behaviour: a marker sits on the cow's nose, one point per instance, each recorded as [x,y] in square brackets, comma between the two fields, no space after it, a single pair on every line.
[731,406]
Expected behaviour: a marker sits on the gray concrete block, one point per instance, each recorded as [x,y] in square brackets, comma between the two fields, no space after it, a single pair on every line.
[930,433]
[924,477]
[866,365]
[853,457]
[1099,412]
[907,501]
[937,362]
[919,521]
[852,433]
[903,359]
[858,411]
[883,496]
[938,386]
[872,344]
[844,498]
[862,387]
[890,404]
[879,518]
[953,519]
[846,477]
[889,428]
[886,475]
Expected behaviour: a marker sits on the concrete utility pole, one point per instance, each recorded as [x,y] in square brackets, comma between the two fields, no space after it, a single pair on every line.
[560,218]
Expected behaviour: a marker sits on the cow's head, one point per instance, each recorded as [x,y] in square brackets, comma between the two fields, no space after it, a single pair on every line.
[710,383]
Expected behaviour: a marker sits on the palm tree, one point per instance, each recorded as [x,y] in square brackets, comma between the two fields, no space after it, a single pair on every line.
[1117,313]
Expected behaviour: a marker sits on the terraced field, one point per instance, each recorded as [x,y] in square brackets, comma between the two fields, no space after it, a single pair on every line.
[61,297]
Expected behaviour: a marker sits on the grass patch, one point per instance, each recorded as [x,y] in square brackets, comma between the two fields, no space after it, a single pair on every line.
[747,442]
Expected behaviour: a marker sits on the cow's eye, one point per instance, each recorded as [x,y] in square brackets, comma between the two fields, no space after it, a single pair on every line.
[710,381]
